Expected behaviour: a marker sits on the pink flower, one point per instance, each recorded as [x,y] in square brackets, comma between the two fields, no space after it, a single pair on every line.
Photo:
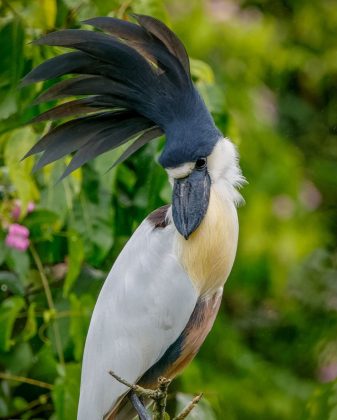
[16,211]
[18,230]
[17,237]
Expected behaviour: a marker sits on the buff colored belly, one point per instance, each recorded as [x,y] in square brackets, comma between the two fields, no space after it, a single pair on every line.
[209,253]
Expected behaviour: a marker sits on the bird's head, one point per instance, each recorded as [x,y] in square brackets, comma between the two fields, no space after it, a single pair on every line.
[191,140]
[193,180]
[134,85]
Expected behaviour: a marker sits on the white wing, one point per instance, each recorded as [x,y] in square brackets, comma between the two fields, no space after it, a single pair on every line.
[143,307]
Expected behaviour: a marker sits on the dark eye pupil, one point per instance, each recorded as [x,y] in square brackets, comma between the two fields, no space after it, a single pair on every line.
[200,163]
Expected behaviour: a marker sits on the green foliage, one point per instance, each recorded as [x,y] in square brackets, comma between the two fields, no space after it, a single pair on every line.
[66,392]
[10,308]
[267,70]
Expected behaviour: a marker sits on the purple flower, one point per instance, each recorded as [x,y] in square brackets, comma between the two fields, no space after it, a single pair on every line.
[17,237]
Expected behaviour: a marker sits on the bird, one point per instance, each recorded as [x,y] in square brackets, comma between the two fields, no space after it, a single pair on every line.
[132,83]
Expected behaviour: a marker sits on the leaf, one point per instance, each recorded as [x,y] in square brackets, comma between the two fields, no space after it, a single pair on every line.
[19,263]
[49,10]
[41,14]
[12,281]
[92,218]
[11,47]
[3,250]
[11,65]
[9,310]
[20,172]
[60,196]
[79,323]
[75,259]
[153,8]
[8,104]
[66,392]
[42,224]
[31,324]
[18,360]
[201,71]
[45,366]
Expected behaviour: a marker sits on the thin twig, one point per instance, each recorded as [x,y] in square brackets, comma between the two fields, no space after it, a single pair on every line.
[9,377]
[140,391]
[50,302]
[186,411]
[42,400]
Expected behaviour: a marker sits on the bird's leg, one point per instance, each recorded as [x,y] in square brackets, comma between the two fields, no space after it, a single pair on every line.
[139,407]
[160,397]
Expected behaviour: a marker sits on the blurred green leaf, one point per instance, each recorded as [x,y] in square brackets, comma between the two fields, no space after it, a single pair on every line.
[201,71]
[11,65]
[45,365]
[20,351]
[82,309]
[9,310]
[43,224]
[30,329]
[18,262]
[75,260]
[12,281]
[66,392]
[18,143]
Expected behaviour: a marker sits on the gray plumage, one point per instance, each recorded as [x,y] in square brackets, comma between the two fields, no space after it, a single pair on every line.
[136,84]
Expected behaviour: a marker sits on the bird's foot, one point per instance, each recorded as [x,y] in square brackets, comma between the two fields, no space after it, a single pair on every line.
[158,396]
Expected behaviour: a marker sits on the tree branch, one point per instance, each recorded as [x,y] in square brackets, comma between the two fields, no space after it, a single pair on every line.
[186,411]
[9,377]
[50,302]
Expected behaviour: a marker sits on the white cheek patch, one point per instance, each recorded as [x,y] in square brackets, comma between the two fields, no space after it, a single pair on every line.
[224,170]
[181,171]
[221,158]
[223,161]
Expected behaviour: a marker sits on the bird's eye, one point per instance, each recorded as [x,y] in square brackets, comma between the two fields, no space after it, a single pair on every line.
[200,163]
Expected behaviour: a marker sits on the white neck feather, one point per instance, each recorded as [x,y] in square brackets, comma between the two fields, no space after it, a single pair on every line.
[223,167]
[209,253]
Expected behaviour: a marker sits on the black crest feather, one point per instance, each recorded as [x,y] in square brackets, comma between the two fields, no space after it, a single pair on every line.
[135,79]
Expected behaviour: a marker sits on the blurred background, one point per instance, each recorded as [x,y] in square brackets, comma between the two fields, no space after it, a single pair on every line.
[268,72]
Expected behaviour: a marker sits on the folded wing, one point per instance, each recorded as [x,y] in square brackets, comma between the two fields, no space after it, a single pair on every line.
[144,306]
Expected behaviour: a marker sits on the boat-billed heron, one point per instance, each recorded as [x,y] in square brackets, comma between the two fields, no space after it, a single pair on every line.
[163,292]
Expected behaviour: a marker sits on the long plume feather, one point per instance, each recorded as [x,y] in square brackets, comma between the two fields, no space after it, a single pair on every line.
[133,81]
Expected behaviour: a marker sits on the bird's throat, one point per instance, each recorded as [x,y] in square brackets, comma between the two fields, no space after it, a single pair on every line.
[209,253]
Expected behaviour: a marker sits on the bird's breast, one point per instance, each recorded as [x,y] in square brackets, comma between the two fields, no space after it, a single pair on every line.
[209,253]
